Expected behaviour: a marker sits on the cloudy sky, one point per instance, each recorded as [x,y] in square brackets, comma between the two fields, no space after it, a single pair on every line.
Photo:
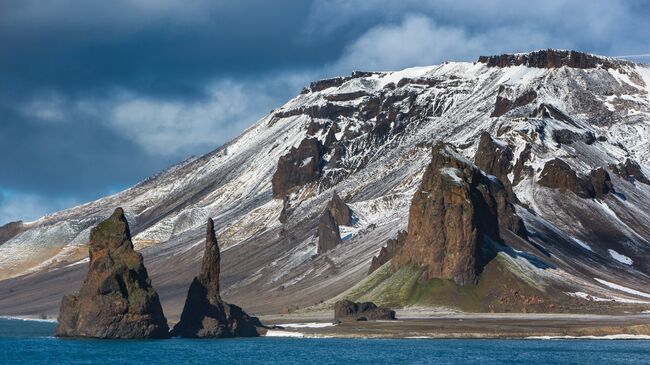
[97,95]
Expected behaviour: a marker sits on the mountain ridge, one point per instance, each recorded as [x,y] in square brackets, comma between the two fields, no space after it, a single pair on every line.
[382,124]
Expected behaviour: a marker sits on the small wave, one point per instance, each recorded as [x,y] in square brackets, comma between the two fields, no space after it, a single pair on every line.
[15,318]
[606,337]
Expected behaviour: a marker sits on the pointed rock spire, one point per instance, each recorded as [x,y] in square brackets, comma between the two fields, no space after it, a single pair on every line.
[116,299]
[205,314]
[211,267]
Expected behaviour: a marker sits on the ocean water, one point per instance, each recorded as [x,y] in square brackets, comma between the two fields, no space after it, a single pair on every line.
[31,342]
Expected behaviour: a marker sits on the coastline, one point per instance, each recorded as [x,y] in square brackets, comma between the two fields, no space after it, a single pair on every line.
[469,326]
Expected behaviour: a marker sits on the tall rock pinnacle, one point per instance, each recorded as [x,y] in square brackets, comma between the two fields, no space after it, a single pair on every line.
[116,299]
[205,314]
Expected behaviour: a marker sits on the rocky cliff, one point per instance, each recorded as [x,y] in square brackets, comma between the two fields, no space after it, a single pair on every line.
[116,299]
[454,215]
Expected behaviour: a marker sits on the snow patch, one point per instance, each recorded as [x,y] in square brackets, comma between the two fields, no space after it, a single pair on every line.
[279,333]
[620,257]
[623,288]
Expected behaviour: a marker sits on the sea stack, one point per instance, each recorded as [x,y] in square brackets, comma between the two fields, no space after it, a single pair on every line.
[205,314]
[116,300]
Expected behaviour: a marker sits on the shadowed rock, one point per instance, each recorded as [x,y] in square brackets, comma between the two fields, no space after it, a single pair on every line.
[348,310]
[10,230]
[631,171]
[340,212]
[557,174]
[329,235]
[387,252]
[504,105]
[116,299]
[205,314]
[300,166]
[453,215]
[550,58]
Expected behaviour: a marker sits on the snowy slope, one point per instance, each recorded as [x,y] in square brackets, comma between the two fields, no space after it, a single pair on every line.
[385,123]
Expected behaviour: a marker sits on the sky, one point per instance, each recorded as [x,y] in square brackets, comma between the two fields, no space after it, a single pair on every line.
[97,95]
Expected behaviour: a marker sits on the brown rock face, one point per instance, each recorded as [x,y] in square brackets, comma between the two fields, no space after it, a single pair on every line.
[601,182]
[557,174]
[329,235]
[10,230]
[387,252]
[453,212]
[504,105]
[348,310]
[340,212]
[495,159]
[116,299]
[300,166]
[205,314]
[549,58]
[631,171]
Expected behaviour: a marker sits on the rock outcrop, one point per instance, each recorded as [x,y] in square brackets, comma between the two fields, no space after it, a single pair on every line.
[631,171]
[341,213]
[328,233]
[453,215]
[557,174]
[550,58]
[566,136]
[348,310]
[387,252]
[116,299]
[11,230]
[205,314]
[504,105]
[300,166]
[336,214]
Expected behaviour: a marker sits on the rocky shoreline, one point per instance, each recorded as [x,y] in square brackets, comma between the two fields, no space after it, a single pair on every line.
[470,326]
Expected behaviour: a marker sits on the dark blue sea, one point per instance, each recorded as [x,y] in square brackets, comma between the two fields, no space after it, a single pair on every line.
[31,342]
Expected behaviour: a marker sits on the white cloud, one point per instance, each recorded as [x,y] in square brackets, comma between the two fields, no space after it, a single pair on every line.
[26,207]
[172,127]
[418,41]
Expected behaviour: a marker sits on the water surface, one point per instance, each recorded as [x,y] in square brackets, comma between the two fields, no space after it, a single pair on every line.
[31,342]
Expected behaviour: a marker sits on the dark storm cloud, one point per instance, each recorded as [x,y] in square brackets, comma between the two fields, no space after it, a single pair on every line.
[96,95]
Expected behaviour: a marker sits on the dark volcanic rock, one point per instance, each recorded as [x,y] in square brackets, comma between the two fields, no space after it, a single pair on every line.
[504,105]
[566,136]
[205,314]
[601,182]
[452,214]
[631,171]
[300,166]
[549,58]
[340,212]
[116,299]
[348,310]
[328,233]
[557,174]
[387,252]
[495,159]
[11,230]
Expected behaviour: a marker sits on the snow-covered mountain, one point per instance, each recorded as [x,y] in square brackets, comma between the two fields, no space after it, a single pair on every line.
[368,137]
